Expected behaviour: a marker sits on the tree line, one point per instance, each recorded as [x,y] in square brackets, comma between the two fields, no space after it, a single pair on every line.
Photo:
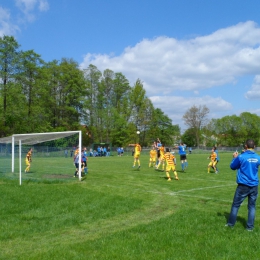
[38,96]
[231,130]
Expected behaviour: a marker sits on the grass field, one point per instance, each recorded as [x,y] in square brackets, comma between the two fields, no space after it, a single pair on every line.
[120,212]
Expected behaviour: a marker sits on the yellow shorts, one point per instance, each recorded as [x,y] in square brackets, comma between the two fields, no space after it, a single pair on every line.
[153,159]
[27,162]
[212,163]
[137,155]
[170,167]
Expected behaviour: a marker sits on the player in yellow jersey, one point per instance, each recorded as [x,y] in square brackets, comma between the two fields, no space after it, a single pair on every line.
[76,161]
[76,152]
[213,161]
[170,165]
[137,153]
[28,160]
[161,159]
[153,154]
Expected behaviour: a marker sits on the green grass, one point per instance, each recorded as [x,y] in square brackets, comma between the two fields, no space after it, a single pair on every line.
[120,212]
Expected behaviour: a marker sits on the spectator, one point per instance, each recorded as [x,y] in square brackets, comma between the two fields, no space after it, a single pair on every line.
[247,165]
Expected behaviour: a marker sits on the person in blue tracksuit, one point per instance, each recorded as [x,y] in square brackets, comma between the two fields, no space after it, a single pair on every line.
[246,165]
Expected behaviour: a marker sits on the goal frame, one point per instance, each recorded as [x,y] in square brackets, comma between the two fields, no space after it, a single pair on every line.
[30,139]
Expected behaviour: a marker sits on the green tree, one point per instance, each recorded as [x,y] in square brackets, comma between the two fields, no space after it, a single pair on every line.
[64,94]
[72,90]
[140,109]
[251,126]
[51,85]
[229,130]
[122,132]
[188,137]
[120,98]
[92,78]
[36,96]
[195,118]
[105,106]
[161,126]
[29,78]
[9,61]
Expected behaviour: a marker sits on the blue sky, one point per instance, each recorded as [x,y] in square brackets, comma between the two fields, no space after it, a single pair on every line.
[186,52]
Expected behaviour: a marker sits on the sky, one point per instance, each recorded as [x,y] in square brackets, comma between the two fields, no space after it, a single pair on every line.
[186,52]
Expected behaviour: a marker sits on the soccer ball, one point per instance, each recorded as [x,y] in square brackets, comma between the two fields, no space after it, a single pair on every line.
[138,132]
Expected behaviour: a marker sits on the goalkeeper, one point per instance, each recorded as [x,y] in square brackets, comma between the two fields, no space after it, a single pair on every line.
[76,162]
[28,160]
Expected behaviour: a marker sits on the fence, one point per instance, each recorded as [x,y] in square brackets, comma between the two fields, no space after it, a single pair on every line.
[45,151]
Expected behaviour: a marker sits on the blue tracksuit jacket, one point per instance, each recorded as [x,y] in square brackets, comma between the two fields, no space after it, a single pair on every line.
[247,165]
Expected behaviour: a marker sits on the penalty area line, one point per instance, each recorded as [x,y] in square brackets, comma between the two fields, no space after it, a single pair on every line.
[203,188]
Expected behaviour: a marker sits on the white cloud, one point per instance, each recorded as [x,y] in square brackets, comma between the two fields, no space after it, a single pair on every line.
[28,7]
[43,5]
[6,26]
[170,67]
[254,93]
[169,64]
[4,14]
[176,106]
[242,33]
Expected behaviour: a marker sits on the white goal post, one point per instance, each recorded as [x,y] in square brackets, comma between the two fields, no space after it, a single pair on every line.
[36,138]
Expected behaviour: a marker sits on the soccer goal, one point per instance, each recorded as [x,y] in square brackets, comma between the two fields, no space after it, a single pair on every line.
[45,157]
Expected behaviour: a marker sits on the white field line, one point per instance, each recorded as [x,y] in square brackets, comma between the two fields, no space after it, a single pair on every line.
[205,198]
[215,180]
[203,188]
[182,192]
[193,196]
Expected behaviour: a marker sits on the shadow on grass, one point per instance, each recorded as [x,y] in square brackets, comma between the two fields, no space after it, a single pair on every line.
[180,171]
[159,170]
[239,219]
[163,177]
[166,178]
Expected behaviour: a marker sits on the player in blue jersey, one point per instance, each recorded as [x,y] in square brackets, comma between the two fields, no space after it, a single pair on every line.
[84,158]
[158,145]
[183,157]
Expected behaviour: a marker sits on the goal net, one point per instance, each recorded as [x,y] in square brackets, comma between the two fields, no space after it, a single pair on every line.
[50,160]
